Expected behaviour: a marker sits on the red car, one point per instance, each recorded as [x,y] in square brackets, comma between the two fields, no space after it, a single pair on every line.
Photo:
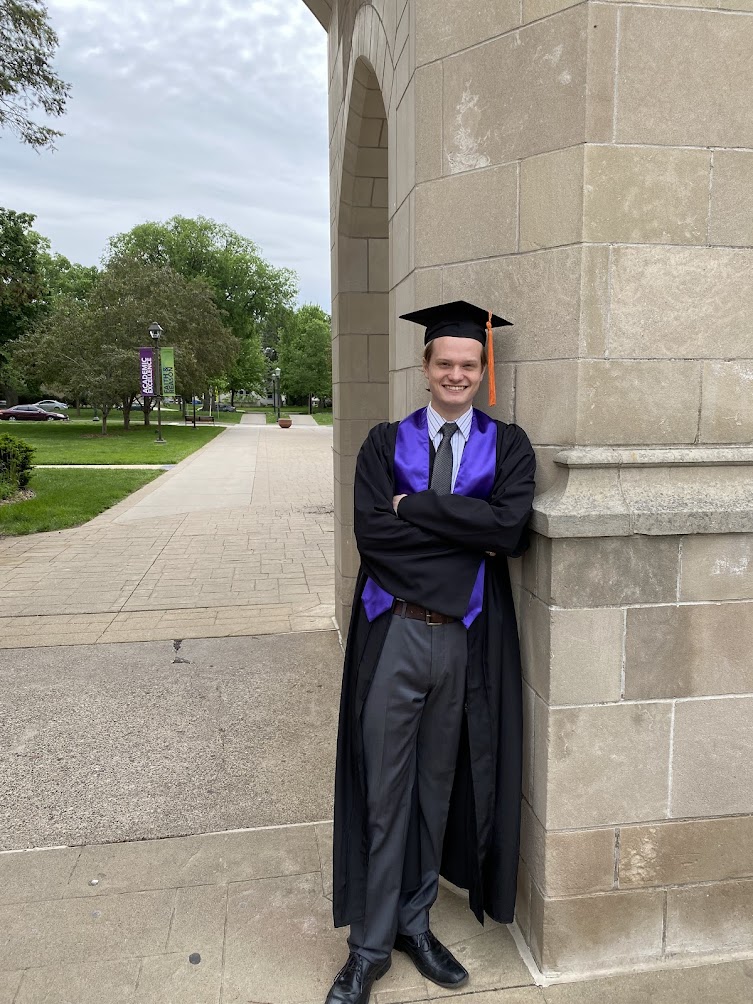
[30,413]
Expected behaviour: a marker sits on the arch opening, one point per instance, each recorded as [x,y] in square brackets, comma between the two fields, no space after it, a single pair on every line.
[360,310]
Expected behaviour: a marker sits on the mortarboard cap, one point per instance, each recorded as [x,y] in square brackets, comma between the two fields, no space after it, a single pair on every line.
[461,319]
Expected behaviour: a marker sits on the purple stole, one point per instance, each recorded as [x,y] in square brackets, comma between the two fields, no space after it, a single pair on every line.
[475,479]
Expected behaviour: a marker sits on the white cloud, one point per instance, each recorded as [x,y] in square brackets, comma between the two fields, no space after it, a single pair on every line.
[191,107]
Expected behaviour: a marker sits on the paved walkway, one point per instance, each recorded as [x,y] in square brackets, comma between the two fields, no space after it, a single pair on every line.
[245,918]
[235,540]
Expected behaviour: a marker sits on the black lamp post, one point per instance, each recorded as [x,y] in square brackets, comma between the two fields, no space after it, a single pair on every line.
[155,332]
[277,380]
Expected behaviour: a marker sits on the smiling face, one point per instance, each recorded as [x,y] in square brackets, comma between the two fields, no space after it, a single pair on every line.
[454,370]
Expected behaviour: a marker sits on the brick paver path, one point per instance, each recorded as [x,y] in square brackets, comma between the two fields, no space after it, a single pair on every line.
[235,540]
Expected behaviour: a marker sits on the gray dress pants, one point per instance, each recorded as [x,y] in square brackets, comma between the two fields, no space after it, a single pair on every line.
[411,723]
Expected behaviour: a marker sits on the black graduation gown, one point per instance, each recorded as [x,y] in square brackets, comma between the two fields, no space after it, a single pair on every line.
[429,555]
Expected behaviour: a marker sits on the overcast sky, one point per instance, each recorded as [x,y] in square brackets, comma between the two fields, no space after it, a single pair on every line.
[198,107]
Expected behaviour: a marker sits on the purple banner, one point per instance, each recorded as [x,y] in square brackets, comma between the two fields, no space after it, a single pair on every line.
[146,359]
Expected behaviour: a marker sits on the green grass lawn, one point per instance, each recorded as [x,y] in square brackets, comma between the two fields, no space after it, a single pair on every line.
[69,498]
[80,441]
[169,414]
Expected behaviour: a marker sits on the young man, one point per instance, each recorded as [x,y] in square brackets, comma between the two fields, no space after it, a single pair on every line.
[429,744]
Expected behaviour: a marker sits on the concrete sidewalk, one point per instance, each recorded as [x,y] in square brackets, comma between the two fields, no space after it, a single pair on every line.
[235,540]
[245,918]
[100,743]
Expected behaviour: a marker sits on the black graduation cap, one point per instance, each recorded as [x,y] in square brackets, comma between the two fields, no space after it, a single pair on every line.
[461,319]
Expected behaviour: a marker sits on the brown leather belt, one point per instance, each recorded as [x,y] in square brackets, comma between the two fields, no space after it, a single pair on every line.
[404,609]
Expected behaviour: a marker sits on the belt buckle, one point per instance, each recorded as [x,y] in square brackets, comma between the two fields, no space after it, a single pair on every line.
[432,623]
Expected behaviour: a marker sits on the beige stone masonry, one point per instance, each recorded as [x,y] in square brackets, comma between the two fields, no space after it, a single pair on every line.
[572,656]
[689,650]
[571,935]
[533,10]
[470,216]
[717,567]
[567,863]
[610,194]
[611,571]
[551,199]
[580,751]
[671,90]
[518,95]
[428,85]
[442,30]
[727,404]
[645,195]
[708,919]
[602,492]
[731,222]
[679,302]
[642,401]
[601,56]
[552,414]
[684,853]
[712,760]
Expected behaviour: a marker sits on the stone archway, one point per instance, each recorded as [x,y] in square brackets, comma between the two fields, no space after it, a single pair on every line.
[360,309]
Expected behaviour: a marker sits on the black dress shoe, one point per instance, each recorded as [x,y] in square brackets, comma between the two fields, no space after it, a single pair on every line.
[354,981]
[432,959]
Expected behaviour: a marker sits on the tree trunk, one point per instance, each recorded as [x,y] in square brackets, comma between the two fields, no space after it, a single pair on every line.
[105,413]
[78,407]
[147,410]
[232,398]
[207,401]
[127,414]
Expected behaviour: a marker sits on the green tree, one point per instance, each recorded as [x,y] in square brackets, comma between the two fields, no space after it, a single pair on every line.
[248,290]
[305,354]
[251,294]
[62,277]
[89,349]
[248,372]
[21,283]
[27,79]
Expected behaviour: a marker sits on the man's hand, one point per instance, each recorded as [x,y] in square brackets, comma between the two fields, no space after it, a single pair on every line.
[396,500]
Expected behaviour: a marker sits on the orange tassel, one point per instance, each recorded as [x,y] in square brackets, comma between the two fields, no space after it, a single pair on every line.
[490,362]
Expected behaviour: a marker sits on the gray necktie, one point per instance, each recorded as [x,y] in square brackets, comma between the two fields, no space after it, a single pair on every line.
[441,475]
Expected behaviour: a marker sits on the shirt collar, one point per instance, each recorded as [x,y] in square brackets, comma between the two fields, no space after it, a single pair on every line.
[435,422]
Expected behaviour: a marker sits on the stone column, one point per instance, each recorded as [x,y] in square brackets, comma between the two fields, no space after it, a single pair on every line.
[587,171]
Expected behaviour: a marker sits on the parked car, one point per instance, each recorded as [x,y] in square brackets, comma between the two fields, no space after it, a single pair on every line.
[30,413]
[52,405]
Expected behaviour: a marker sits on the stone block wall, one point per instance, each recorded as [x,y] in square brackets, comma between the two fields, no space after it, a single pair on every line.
[637,818]
[587,171]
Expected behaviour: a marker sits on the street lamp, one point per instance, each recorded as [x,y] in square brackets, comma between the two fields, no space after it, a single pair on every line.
[277,377]
[155,332]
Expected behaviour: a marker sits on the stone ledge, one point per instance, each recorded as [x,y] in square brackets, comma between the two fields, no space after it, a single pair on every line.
[618,492]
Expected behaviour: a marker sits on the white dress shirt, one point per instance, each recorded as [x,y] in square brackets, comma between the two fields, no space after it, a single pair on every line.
[459,438]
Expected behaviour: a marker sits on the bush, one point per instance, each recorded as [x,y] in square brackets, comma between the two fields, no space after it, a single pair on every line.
[15,463]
